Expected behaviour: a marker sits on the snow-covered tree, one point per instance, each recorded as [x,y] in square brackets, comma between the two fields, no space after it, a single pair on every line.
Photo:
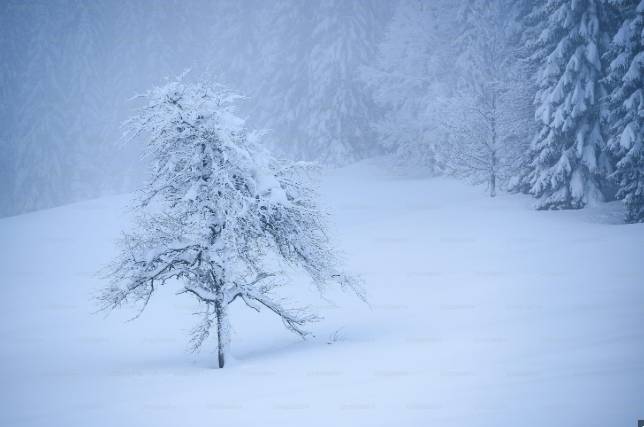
[219,214]
[449,79]
[306,85]
[343,40]
[626,119]
[486,115]
[568,155]
[412,68]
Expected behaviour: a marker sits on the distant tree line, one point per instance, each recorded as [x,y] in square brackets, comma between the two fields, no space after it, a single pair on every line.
[541,97]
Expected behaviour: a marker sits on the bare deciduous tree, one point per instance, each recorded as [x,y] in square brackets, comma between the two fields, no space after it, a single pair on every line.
[487,115]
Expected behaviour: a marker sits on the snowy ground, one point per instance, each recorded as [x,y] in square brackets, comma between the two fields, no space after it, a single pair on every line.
[483,313]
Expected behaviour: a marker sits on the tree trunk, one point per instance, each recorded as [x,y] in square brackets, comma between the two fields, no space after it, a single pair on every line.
[220,316]
[492,184]
[493,159]
[219,313]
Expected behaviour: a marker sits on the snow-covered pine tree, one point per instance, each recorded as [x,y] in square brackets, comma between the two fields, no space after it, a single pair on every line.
[411,69]
[218,214]
[525,28]
[344,39]
[626,118]
[568,155]
[280,85]
[306,83]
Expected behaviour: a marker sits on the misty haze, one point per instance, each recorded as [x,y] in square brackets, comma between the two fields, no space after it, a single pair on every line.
[322,213]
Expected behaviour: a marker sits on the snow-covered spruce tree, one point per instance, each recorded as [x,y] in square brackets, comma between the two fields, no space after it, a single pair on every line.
[218,215]
[626,118]
[308,92]
[487,114]
[341,111]
[526,28]
[568,155]
[413,67]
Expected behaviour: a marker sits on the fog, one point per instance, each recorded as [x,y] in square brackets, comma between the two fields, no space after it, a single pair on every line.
[321,212]
[70,69]
[457,88]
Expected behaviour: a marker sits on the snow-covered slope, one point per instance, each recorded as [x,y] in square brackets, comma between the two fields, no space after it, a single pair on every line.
[483,313]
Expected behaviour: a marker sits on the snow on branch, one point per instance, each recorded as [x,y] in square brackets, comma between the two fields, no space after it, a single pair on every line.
[219,215]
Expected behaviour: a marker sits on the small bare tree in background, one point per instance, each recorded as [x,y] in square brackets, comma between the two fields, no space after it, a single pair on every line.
[219,215]
[487,117]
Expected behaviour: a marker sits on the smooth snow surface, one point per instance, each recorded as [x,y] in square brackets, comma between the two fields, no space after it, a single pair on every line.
[483,312]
